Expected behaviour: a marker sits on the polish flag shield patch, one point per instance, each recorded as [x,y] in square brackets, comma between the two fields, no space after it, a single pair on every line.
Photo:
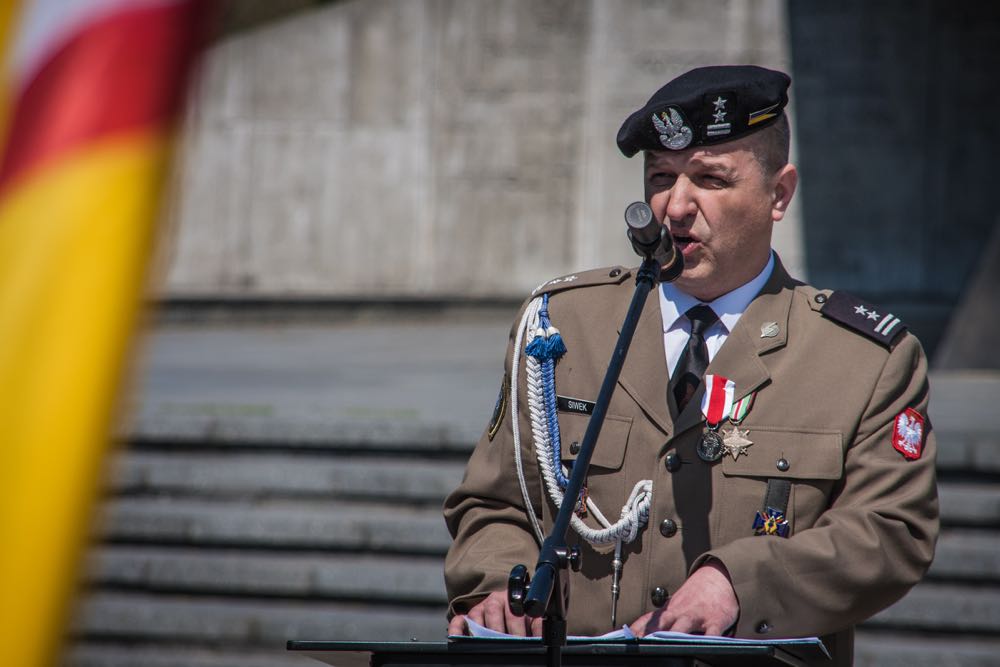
[908,433]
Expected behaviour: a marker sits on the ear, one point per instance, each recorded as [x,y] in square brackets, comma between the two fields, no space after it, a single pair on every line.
[784,187]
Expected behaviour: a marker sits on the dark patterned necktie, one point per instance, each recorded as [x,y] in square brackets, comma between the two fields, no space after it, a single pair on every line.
[694,357]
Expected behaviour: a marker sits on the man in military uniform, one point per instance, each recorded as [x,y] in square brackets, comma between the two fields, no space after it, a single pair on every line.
[776,433]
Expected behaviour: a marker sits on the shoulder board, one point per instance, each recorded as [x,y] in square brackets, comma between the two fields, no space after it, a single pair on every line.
[611,275]
[881,326]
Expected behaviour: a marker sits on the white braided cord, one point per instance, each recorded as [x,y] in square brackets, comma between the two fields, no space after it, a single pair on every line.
[634,514]
[530,313]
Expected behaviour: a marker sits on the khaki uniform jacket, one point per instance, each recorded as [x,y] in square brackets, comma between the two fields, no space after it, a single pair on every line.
[863,519]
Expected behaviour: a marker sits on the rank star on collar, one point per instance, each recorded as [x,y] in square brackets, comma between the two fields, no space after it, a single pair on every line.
[719,103]
[872,315]
[860,310]
[719,116]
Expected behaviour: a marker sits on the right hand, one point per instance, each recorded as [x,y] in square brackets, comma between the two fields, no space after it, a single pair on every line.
[494,613]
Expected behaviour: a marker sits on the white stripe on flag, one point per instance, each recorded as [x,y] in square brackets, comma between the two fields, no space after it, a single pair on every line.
[883,323]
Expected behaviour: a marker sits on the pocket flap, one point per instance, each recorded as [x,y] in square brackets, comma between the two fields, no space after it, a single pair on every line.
[806,454]
[611,444]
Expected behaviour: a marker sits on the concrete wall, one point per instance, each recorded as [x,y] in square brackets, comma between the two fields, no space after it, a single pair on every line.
[434,147]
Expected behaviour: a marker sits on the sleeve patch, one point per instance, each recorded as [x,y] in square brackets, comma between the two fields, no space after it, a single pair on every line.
[499,409]
[863,317]
[908,434]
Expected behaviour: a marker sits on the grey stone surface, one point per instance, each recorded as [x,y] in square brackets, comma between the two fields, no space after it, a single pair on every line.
[972,555]
[95,654]
[970,503]
[946,608]
[247,622]
[402,382]
[274,475]
[285,523]
[410,579]
[434,146]
[900,650]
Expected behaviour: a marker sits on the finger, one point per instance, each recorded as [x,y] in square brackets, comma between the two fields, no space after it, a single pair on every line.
[686,624]
[638,626]
[457,625]
[536,627]
[476,614]
[515,624]
[715,627]
[493,614]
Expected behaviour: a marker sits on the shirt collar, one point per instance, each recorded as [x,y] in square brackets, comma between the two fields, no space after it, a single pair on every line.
[729,307]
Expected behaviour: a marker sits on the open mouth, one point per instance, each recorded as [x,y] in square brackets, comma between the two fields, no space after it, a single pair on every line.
[684,243]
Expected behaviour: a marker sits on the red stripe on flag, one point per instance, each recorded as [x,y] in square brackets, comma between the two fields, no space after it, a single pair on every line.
[122,72]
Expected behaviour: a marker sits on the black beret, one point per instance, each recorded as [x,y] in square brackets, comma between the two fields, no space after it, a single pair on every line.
[708,105]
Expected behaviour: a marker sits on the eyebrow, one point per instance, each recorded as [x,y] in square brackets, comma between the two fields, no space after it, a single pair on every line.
[702,163]
[714,166]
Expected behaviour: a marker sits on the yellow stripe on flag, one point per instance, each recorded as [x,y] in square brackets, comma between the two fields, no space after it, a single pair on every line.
[74,243]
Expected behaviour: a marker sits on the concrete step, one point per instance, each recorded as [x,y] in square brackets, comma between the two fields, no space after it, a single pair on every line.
[880,649]
[945,607]
[971,555]
[414,579]
[254,623]
[100,654]
[285,475]
[276,523]
[970,503]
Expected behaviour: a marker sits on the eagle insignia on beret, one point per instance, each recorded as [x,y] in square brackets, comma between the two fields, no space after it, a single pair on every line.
[674,134]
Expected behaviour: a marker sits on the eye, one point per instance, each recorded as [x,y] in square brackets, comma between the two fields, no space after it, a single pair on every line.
[714,181]
[660,179]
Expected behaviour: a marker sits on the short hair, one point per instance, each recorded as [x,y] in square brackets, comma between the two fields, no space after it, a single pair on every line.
[770,146]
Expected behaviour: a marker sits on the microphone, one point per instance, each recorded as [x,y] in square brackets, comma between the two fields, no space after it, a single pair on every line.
[650,239]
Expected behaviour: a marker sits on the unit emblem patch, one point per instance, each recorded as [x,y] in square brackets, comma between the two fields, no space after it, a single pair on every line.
[499,409]
[908,433]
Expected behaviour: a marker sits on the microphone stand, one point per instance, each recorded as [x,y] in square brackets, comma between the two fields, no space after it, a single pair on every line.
[547,592]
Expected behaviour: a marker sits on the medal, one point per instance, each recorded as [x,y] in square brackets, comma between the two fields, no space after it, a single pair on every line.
[770,522]
[710,446]
[715,406]
[735,439]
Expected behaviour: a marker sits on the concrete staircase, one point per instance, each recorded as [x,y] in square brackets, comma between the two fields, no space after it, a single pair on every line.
[234,523]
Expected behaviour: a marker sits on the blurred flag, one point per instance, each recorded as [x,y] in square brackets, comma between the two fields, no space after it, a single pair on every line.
[90,93]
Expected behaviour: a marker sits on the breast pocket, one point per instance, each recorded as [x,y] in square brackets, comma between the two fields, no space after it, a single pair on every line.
[812,461]
[605,480]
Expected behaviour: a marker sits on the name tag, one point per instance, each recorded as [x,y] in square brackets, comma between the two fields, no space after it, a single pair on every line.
[578,405]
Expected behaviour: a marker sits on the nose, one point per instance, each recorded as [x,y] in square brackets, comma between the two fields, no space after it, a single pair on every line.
[681,207]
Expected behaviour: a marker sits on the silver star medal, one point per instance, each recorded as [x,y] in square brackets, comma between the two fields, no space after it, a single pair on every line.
[674,134]
[736,442]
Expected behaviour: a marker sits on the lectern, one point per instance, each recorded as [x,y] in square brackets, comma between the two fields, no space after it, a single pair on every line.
[514,653]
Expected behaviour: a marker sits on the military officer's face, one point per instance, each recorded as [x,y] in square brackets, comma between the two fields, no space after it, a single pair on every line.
[720,206]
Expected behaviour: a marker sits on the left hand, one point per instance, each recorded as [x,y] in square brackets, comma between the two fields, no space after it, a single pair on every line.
[706,603]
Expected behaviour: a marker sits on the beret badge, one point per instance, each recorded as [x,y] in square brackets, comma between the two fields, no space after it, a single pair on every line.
[674,134]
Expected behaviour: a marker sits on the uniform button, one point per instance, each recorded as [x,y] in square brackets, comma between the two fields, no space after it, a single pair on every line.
[782,464]
[615,273]
[820,298]
[658,596]
[672,461]
[668,528]
[763,628]
[574,448]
